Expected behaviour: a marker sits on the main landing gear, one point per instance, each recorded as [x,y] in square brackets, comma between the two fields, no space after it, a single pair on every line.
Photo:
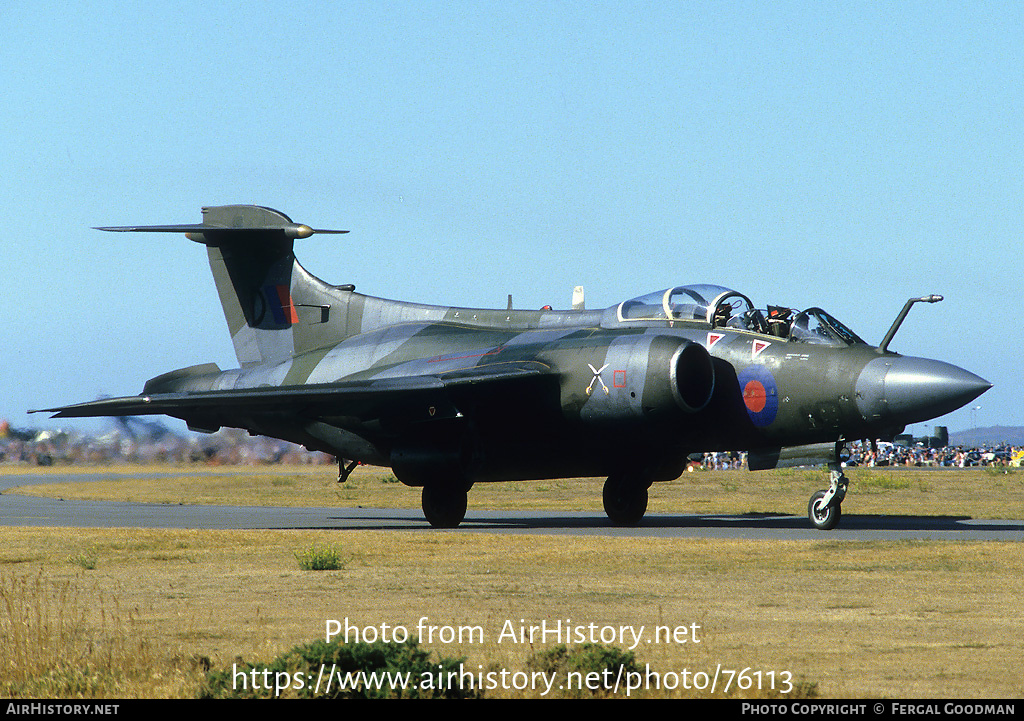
[444,505]
[825,507]
[625,499]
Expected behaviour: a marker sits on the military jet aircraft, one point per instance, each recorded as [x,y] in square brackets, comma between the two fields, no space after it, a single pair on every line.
[448,397]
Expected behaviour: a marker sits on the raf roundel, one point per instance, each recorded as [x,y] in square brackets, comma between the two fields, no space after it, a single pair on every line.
[760,394]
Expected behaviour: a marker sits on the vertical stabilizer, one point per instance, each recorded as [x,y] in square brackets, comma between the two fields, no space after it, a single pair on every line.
[253,270]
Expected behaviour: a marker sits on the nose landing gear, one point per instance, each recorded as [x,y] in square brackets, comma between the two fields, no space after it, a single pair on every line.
[825,507]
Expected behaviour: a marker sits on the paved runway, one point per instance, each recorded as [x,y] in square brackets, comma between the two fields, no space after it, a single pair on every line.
[17,510]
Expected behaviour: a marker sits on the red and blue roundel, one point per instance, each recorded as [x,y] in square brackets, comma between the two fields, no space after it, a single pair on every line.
[760,394]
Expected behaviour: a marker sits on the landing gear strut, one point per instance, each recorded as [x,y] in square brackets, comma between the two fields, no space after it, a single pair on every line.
[345,471]
[444,505]
[625,499]
[825,507]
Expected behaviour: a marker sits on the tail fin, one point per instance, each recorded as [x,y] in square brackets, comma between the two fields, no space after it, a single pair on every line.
[269,300]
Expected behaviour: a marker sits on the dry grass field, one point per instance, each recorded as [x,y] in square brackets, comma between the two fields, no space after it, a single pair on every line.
[141,613]
[974,492]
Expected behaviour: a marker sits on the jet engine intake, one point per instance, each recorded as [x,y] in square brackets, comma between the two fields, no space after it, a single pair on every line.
[693,377]
[647,378]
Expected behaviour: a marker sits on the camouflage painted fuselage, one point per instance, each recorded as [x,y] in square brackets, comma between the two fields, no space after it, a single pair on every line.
[494,395]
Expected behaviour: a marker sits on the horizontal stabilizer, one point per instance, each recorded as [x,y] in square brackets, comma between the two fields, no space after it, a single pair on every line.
[291,230]
[230,220]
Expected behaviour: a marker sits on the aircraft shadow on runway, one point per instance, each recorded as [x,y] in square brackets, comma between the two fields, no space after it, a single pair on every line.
[747,521]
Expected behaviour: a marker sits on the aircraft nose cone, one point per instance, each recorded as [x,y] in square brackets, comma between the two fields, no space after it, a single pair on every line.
[911,390]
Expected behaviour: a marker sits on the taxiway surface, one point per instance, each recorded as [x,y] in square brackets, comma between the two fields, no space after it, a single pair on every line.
[19,510]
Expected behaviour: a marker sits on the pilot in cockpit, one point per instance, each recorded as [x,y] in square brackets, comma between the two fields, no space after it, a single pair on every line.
[779,321]
[722,315]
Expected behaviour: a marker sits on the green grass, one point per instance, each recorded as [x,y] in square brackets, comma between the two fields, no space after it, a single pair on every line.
[87,561]
[320,558]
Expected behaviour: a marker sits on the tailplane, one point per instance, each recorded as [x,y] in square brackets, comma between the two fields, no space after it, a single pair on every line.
[274,308]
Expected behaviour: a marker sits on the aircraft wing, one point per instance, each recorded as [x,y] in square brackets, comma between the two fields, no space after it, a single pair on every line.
[408,397]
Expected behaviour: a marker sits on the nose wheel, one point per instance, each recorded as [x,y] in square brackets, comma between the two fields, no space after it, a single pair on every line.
[824,517]
[825,507]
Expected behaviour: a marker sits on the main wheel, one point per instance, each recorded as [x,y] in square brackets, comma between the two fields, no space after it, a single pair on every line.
[443,506]
[624,502]
[824,519]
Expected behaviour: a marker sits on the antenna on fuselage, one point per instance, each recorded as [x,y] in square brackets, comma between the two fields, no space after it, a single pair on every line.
[577,298]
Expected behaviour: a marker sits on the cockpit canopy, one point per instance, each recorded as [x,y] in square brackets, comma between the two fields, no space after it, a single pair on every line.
[684,302]
[720,307]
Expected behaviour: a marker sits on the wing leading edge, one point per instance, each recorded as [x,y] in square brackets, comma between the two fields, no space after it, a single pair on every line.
[407,397]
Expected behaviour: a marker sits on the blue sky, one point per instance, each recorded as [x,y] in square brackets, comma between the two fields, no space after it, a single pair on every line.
[845,155]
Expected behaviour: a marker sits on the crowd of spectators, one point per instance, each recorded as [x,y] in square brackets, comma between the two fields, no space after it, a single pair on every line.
[149,442]
[894,454]
[891,454]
